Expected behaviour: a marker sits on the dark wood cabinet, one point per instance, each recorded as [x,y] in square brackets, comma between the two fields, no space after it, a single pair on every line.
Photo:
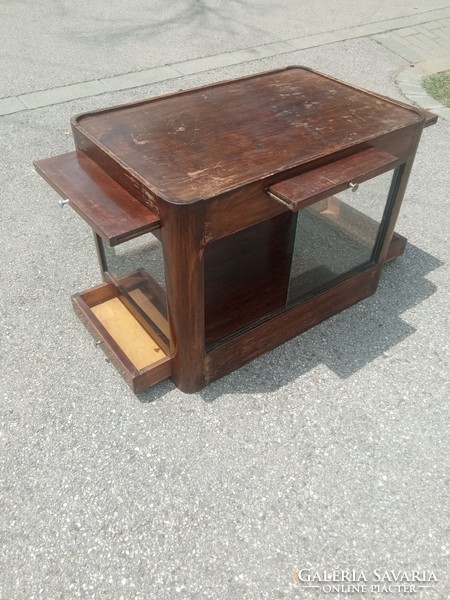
[232,217]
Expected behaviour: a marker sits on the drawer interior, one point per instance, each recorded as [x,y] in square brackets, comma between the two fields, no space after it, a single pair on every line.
[126,336]
[128,333]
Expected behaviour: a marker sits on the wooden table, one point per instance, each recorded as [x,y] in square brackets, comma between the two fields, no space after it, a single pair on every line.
[244,187]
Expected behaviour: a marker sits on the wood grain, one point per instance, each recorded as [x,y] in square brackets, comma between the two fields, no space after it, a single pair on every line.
[266,336]
[247,275]
[138,379]
[301,191]
[128,333]
[112,212]
[198,144]
[182,237]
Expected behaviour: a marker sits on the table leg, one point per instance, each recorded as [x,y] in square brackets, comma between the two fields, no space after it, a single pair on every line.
[182,238]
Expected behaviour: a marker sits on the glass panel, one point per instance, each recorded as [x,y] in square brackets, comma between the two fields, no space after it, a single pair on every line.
[337,236]
[137,268]
[143,252]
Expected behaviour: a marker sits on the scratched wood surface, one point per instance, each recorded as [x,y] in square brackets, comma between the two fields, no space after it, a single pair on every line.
[204,142]
[298,192]
[112,212]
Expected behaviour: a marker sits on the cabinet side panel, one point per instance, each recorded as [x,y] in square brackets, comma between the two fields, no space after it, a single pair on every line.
[247,275]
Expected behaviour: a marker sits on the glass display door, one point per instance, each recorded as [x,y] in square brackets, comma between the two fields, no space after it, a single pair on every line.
[136,267]
[339,235]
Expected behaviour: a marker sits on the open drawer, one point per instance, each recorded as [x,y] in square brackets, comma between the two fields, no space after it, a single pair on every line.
[126,337]
[128,314]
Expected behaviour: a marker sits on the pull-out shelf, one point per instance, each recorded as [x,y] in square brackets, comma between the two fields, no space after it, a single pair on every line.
[112,212]
[117,319]
[305,189]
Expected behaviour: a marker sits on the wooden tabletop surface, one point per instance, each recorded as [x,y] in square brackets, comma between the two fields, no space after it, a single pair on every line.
[200,143]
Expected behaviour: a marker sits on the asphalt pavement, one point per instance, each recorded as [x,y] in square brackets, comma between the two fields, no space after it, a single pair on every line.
[330,452]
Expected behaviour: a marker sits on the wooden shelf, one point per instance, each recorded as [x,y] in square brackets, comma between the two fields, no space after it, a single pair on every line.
[104,204]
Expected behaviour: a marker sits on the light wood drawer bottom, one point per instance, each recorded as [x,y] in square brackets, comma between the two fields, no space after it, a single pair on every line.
[126,337]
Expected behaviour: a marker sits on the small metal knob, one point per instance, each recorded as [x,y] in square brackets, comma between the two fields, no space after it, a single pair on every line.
[354,186]
[63,202]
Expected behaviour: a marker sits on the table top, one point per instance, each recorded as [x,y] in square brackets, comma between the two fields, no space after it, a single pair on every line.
[200,143]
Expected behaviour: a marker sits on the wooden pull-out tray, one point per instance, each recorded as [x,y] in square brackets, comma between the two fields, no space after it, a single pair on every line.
[104,204]
[301,191]
[126,337]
